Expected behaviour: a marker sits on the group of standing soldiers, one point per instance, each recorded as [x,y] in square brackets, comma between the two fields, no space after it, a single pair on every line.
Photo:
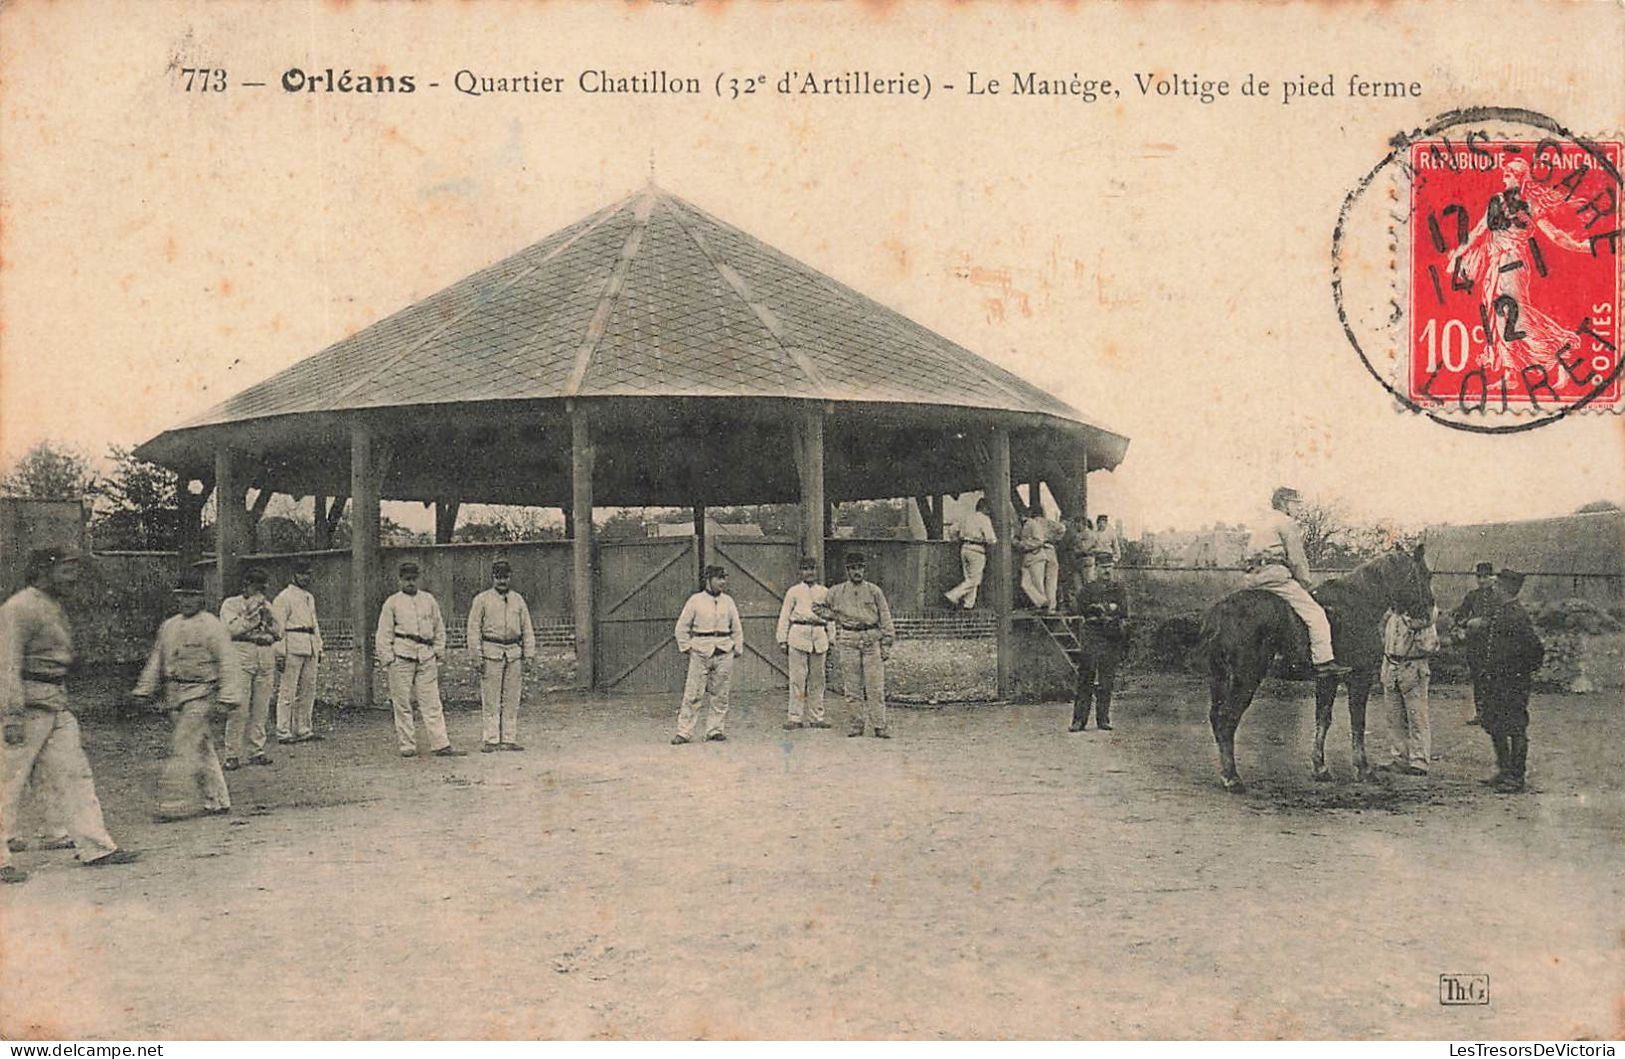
[852,617]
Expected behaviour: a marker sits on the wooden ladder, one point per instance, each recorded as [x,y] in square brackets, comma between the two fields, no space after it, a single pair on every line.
[1060,630]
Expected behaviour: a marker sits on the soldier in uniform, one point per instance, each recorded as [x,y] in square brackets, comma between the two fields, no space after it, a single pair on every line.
[255,632]
[197,664]
[298,654]
[1103,606]
[710,633]
[1276,564]
[803,632]
[863,637]
[1472,617]
[1512,653]
[501,638]
[41,755]
[1407,642]
[1040,575]
[411,644]
[976,537]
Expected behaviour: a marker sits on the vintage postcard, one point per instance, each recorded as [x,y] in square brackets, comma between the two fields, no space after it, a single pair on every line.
[811,521]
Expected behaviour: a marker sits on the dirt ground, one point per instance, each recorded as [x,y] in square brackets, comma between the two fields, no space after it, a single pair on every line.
[984,874]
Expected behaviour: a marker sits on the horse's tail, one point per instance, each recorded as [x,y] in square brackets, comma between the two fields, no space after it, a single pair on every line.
[1209,651]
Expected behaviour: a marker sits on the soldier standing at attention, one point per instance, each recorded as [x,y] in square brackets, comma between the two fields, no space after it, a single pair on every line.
[41,752]
[710,633]
[255,631]
[1512,653]
[298,654]
[197,663]
[1103,606]
[1472,619]
[804,633]
[411,643]
[863,637]
[975,538]
[501,638]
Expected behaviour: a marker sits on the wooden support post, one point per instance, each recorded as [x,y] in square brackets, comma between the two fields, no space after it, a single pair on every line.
[700,559]
[1035,495]
[320,537]
[931,513]
[581,465]
[364,487]
[445,520]
[230,518]
[998,488]
[1083,481]
[189,534]
[811,468]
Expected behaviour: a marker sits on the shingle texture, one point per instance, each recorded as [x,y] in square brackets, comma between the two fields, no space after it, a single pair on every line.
[650,296]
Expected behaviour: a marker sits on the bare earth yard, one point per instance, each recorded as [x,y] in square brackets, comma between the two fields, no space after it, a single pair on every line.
[984,874]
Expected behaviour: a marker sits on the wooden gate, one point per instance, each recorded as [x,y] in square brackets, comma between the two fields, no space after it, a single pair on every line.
[642,586]
[760,571]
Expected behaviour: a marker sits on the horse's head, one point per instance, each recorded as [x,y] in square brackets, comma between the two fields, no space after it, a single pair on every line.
[1408,582]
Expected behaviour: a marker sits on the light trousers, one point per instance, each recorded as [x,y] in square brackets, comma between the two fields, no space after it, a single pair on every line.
[807,685]
[863,677]
[1405,694]
[1041,578]
[248,718]
[973,560]
[51,764]
[710,677]
[1278,581]
[296,698]
[409,679]
[192,779]
[499,698]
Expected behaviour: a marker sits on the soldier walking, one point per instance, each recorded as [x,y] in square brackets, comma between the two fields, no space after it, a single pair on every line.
[710,633]
[411,644]
[501,638]
[1512,653]
[1103,636]
[197,664]
[803,632]
[41,754]
[864,635]
[298,655]
[255,632]
[1472,618]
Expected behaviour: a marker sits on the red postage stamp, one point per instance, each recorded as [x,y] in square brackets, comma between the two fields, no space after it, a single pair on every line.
[1515,276]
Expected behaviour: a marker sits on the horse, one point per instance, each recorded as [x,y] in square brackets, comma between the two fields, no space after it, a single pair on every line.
[1242,633]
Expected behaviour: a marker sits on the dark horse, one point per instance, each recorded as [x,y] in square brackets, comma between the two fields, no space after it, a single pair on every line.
[1243,632]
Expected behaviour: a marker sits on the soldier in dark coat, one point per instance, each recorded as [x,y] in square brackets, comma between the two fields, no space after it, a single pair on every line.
[1103,635]
[1512,653]
[1472,619]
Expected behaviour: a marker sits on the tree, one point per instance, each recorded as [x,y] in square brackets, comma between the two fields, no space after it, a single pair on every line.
[50,471]
[137,508]
[1334,541]
[1596,506]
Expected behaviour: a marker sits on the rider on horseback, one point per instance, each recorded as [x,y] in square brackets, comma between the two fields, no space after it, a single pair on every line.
[1276,564]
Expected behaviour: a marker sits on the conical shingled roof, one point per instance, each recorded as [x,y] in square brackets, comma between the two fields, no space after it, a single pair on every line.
[648,297]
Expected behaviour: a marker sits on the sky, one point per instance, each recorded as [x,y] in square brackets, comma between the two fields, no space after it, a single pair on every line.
[1161,264]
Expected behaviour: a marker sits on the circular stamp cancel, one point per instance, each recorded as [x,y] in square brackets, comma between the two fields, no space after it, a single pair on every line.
[1476,270]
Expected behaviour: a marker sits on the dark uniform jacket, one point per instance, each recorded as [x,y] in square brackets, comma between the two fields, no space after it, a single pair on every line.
[1103,605]
[1479,603]
[1512,653]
